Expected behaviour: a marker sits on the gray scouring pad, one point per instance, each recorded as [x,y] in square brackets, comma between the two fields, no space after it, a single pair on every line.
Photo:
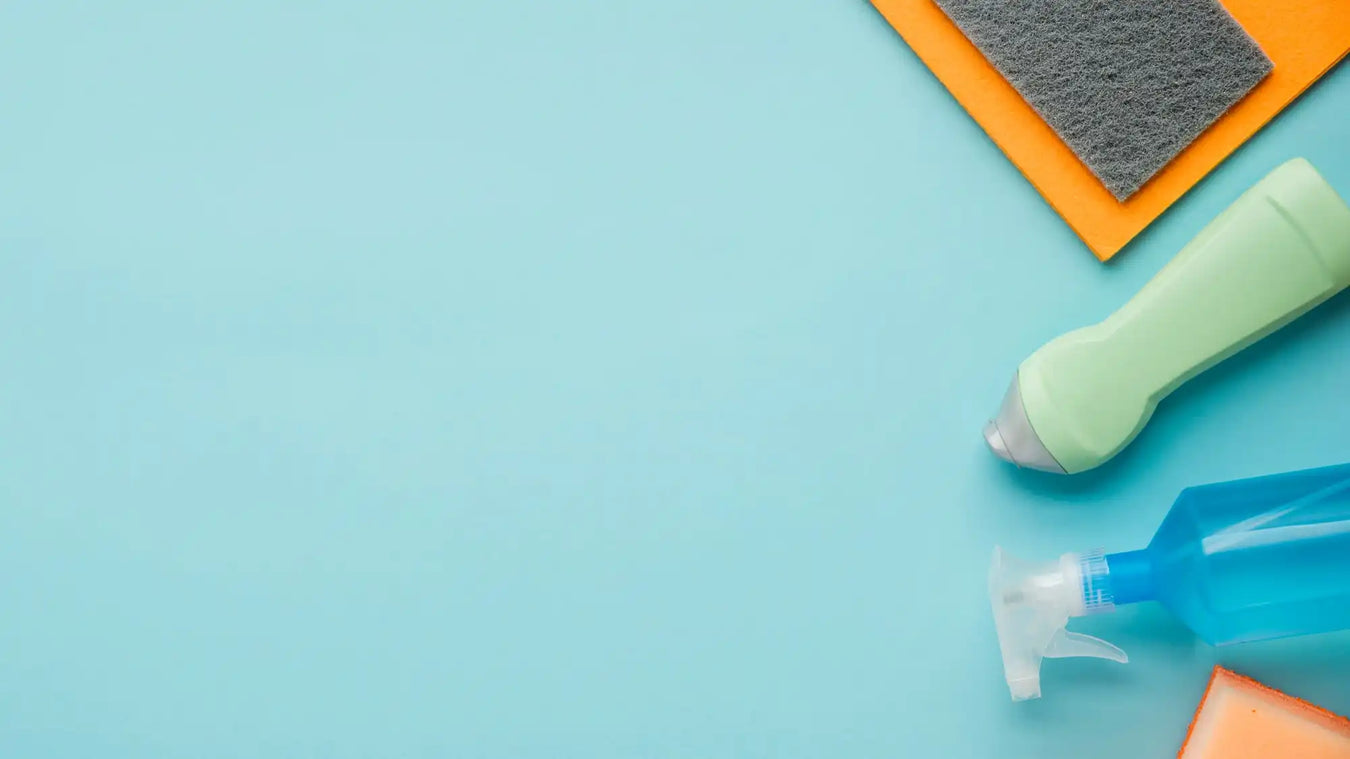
[1127,84]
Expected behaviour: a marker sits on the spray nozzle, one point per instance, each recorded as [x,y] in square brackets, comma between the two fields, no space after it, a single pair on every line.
[1032,606]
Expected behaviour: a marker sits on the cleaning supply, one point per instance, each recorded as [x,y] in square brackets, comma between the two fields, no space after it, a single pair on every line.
[1304,39]
[1239,561]
[1122,83]
[1240,718]
[1278,251]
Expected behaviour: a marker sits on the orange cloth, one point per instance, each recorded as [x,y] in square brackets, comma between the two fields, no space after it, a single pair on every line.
[1304,38]
[1240,718]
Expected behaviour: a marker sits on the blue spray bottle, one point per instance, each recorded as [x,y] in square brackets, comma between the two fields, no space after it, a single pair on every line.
[1238,561]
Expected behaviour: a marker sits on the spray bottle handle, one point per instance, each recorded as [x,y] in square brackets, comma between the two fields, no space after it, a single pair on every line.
[1032,605]
[1067,645]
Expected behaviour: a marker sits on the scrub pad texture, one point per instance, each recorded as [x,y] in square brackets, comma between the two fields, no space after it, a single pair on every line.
[1127,84]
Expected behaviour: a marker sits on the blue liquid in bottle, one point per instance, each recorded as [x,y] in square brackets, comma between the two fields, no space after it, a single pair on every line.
[1249,560]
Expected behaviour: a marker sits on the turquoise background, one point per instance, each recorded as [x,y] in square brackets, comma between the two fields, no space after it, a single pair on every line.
[589,379]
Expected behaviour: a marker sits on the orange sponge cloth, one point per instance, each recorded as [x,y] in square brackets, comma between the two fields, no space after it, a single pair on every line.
[1240,718]
[1304,38]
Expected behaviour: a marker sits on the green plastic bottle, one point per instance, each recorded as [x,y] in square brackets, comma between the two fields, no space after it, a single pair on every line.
[1275,253]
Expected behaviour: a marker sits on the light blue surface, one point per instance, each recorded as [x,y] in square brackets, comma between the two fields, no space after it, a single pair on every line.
[595,379]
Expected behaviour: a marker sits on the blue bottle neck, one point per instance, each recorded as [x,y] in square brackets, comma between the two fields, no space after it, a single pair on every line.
[1131,577]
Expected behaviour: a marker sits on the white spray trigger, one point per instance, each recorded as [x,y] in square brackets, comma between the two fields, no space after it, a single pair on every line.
[1067,645]
[1032,605]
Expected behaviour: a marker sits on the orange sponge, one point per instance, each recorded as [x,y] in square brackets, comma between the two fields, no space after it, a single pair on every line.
[1240,718]
[1304,38]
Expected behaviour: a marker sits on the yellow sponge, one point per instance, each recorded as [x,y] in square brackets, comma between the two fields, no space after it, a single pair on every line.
[1240,718]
